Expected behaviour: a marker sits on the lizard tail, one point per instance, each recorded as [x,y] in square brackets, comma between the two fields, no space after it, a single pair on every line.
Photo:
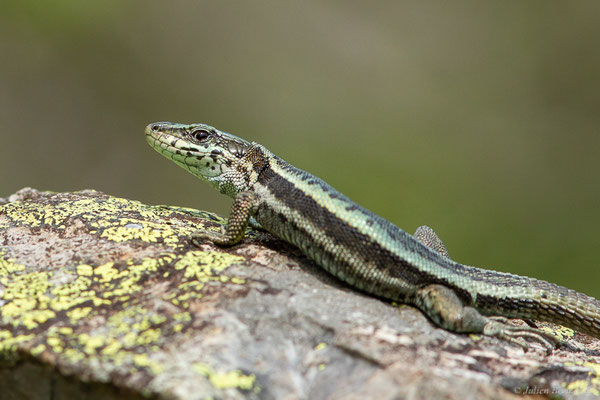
[550,303]
[568,307]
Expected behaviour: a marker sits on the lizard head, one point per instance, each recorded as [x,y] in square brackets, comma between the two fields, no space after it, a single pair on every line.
[206,152]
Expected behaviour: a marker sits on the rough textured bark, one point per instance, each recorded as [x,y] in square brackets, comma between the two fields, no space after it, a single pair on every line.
[102,297]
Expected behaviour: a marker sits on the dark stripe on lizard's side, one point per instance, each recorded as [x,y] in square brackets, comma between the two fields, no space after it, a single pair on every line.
[359,274]
[340,231]
[324,228]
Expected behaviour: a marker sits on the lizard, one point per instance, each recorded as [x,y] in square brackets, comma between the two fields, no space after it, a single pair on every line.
[363,249]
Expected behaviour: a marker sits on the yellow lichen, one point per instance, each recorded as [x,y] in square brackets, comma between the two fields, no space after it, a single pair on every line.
[65,330]
[143,232]
[203,265]
[56,344]
[37,350]
[8,268]
[590,385]
[74,355]
[68,295]
[78,313]
[320,346]
[112,348]
[226,380]
[26,300]
[90,343]
[142,360]
[8,342]
[595,367]
[85,270]
[582,387]
[562,332]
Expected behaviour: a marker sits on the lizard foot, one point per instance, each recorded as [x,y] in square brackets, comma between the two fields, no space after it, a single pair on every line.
[219,238]
[446,309]
[499,327]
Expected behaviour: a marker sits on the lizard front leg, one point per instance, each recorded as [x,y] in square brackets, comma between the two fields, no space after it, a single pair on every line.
[244,206]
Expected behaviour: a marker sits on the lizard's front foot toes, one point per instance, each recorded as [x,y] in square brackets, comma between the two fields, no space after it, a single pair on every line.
[218,238]
[203,237]
[517,334]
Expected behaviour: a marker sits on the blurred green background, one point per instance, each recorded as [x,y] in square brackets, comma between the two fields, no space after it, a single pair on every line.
[480,119]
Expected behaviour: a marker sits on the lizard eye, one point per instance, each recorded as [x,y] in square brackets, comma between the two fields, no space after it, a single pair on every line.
[200,135]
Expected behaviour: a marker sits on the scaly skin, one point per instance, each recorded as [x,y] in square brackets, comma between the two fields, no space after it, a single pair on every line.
[361,248]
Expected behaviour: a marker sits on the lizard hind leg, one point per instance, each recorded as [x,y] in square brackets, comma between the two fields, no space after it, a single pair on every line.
[429,238]
[447,310]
